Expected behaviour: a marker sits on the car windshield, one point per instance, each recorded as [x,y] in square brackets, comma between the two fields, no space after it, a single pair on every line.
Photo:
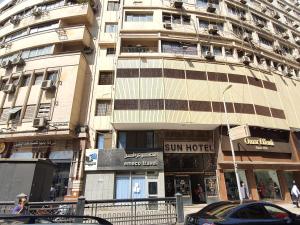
[220,211]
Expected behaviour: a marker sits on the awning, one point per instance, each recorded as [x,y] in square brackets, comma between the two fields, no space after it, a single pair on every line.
[14,110]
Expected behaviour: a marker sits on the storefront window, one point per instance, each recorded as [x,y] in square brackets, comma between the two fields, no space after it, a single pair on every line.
[231,185]
[267,184]
[136,139]
[289,177]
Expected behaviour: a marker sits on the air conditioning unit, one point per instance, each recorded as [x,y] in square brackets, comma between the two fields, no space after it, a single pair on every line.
[295,24]
[36,11]
[18,61]
[243,17]
[243,1]
[285,35]
[15,20]
[247,37]
[276,15]
[2,44]
[39,122]
[168,26]
[246,60]
[259,24]
[212,29]
[47,85]
[87,50]
[297,40]
[209,55]
[277,49]
[288,73]
[263,8]
[178,3]
[9,88]
[6,64]
[211,8]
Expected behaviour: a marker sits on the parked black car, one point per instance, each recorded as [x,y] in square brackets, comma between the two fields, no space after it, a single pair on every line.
[248,213]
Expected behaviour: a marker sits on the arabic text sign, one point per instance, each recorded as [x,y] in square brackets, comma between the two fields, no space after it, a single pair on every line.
[188,147]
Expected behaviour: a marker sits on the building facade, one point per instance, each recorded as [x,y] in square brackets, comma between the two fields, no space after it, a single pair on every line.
[159,88]
[45,56]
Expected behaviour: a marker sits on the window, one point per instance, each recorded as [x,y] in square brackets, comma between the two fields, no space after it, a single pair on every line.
[136,139]
[111,27]
[25,81]
[44,110]
[252,212]
[38,79]
[240,31]
[218,50]
[278,29]
[176,19]
[103,141]
[103,108]
[203,3]
[229,52]
[52,75]
[29,112]
[205,48]
[43,27]
[113,6]
[265,41]
[152,188]
[179,47]
[110,51]
[4,115]
[34,52]
[259,19]
[134,17]
[106,78]
[52,5]
[14,114]
[275,212]
[15,81]
[15,35]
[286,49]
[235,11]
[3,83]
[204,24]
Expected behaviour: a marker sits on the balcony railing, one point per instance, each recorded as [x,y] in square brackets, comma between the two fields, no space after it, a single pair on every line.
[139,49]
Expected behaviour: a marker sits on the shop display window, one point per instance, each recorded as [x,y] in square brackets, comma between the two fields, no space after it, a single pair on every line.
[267,184]
[231,185]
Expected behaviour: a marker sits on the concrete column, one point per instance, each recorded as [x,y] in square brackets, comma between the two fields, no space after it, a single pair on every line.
[222,185]
[81,163]
[293,144]
[252,184]
[285,193]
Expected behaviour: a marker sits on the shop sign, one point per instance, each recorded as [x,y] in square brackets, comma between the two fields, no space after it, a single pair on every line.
[91,159]
[120,159]
[188,147]
[38,143]
[259,141]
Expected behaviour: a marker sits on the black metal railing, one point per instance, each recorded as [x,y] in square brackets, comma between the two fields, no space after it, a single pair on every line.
[117,211]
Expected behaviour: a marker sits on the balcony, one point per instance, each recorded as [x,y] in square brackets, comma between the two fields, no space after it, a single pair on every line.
[70,14]
[139,47]
[58,35]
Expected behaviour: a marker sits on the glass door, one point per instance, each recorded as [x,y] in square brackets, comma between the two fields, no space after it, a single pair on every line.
[122,187]
[138,187]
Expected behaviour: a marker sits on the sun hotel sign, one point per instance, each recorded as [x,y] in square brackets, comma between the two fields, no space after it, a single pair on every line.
[188,147]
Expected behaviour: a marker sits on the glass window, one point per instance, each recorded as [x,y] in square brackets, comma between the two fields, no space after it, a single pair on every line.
[229,52]
[133,17]
[15,80]
[103,108]
[202,3]
[122,139]
[265,41]
[152,188]
[179,47]
[110,51]
[113,6]
[38,79]
[205,48]
[25,81]
[218,50]
[15,35]
[231,185]
[44,27]
[52,75]
[111,27]
[267,184]
[106,78]
[100,141]
[255,212]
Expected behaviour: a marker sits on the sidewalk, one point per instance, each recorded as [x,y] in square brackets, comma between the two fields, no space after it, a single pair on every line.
[194,208]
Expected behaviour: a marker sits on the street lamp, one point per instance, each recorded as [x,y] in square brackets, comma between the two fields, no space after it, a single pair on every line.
[231,145]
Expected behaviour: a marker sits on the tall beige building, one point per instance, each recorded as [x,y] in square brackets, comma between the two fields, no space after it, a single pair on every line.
[45,58]
[157,120]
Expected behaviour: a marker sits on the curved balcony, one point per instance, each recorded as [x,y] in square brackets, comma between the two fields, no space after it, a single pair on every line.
[58,35]
[70,14]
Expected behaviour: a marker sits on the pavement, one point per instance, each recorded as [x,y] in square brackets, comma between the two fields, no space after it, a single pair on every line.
[194,208]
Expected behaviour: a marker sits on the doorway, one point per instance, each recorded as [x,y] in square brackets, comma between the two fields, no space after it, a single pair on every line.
[198,189]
